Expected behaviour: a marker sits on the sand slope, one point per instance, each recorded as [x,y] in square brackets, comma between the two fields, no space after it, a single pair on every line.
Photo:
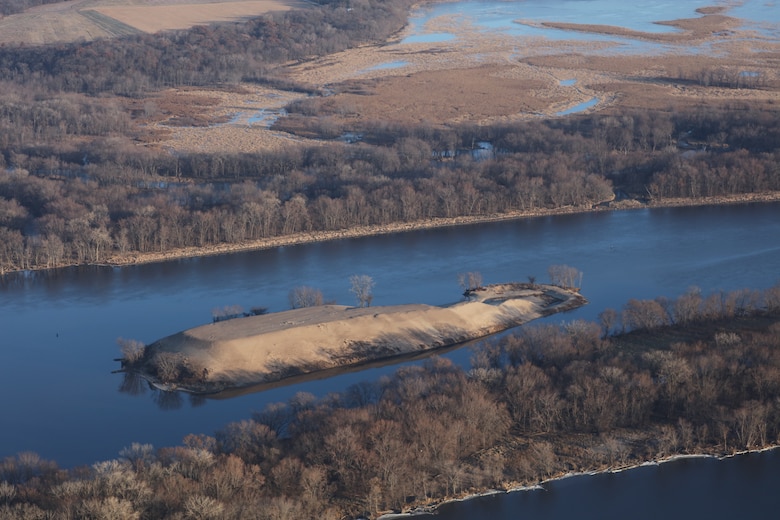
[260,349]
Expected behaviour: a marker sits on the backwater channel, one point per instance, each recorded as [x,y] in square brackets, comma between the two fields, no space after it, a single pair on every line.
[58,330]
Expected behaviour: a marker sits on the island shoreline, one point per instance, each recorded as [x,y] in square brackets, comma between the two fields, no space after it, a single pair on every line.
[431,509]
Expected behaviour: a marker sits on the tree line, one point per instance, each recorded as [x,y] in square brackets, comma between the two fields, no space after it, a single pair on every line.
[84,205]
[547,400]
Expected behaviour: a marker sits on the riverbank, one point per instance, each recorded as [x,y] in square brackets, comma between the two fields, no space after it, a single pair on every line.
[431,509]
[253,350]
[401,227]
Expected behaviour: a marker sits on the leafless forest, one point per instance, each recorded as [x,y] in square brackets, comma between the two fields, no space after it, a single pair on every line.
[76,187]
[691,375]
[658,377]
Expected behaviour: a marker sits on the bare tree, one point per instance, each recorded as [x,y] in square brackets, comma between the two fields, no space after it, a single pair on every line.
[227,313]
[565,276]
[203,507]
[132,350]
[304,296]
[609,319]
[644,314]
[470,281]
[168,366]
[361,287]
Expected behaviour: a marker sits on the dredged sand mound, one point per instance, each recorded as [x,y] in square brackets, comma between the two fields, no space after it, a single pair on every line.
[262,349]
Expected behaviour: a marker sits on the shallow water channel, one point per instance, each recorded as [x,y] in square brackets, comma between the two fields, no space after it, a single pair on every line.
[525,19]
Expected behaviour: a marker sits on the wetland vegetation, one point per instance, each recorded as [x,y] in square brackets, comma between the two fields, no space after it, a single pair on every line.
[87,178]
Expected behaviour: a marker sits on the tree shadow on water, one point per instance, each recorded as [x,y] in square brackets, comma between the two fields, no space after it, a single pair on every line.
[168,400]
[133,384]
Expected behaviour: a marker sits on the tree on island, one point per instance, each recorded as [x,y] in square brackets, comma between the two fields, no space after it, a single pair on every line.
[227,313]
[361,287]
[470,281]
[304,296]
[132,350]
[565,276]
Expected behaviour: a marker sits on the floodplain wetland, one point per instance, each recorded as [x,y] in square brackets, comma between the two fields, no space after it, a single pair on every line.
[224,165]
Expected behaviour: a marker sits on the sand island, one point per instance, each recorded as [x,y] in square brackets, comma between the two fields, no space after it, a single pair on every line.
[254,350]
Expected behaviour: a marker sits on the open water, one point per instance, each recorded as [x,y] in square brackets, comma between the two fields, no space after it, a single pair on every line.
[58,331]
[58,335]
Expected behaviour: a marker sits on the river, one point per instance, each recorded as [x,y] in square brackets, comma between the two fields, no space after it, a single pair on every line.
[744,486]
[59,329]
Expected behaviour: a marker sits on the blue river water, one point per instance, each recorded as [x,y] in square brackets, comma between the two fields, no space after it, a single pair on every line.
[744,486]
[59,329]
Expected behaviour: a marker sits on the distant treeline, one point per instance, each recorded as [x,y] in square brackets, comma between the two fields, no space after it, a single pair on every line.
[545,401]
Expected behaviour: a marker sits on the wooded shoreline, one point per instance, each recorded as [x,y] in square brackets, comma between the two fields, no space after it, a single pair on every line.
[706,454]
[433,223]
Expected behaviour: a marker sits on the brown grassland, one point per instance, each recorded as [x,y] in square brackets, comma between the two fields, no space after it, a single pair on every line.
[92,19]
[476,78]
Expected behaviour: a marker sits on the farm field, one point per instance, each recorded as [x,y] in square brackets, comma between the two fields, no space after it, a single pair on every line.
[84,20]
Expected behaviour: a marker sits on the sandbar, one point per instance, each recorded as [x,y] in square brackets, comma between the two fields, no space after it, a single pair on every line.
[262,349]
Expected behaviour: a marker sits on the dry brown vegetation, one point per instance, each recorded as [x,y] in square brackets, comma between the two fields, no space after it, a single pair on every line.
[478,80]
[178,14]
[159,131]
[84,20]
[86,135]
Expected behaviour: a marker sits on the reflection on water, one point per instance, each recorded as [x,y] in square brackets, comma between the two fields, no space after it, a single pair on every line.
[133,384]
[168,400]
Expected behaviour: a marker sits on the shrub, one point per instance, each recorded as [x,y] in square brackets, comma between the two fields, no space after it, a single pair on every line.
[132,350]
